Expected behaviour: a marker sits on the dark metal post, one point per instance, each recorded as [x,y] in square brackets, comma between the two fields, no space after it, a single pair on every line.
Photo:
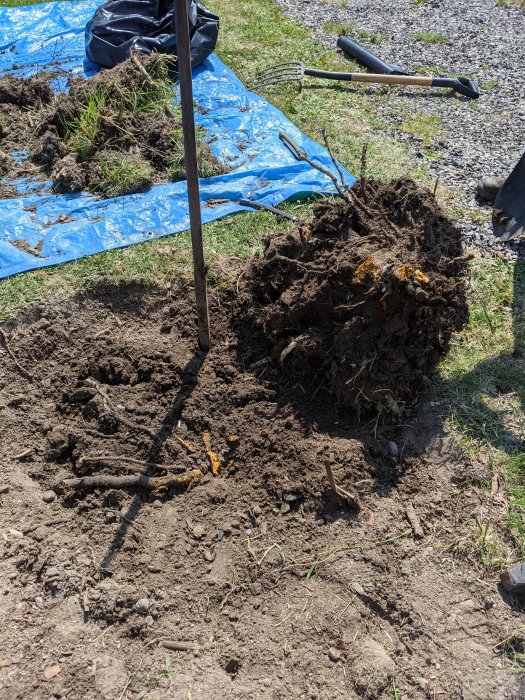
[182,32]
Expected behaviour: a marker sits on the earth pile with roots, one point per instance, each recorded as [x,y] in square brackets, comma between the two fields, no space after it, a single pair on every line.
[363,300]
[113,134]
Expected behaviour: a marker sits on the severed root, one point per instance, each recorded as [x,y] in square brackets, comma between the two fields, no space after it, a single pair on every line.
[185,444]
[215,462]
[23,371]
[149,483]
[113,410]
[414,521]
[136,463]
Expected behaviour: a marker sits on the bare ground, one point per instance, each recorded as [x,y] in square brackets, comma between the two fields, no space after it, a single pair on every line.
[288,591]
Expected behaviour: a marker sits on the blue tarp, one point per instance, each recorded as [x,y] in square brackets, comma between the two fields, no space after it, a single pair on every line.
[242,128]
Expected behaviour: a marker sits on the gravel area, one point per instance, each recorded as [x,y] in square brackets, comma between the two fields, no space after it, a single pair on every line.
[478,39]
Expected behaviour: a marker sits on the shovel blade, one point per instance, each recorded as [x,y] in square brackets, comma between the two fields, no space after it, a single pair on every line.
[511,197]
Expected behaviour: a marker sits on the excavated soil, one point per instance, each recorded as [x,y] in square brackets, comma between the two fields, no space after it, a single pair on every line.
[262,580]
[80,140]
[283,589]
[363,300]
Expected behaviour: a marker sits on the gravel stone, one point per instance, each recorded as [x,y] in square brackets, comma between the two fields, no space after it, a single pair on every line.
[198,532]
[49,496]
[256,588]
[393,449]
[335,654]
[142,606]
[485,42]
[513,578]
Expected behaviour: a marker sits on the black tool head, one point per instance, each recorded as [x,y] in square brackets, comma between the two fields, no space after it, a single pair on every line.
[466,87]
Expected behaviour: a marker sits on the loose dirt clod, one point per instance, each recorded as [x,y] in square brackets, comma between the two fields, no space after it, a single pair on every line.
[364,299]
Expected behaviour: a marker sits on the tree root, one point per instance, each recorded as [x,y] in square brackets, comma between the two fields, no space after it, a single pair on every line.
[148,483]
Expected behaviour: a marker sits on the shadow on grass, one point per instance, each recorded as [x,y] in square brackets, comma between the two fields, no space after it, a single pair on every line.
[485,404]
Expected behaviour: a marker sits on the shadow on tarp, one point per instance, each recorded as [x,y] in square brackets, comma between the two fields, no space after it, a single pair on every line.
[241,127]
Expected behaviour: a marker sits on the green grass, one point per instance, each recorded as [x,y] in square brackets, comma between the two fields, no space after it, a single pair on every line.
[338,28]
[349,29]
[430,37]
[120,175]
[427,128]
[481,384]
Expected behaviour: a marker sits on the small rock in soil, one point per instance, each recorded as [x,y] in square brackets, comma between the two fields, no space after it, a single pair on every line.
[335,654]
[17,534]
[198,532]
[51,671]
[209,555]
[513,578]
[393,449]
[291,497]
[4,489]
[49,496]
[142,606]
[357,588]
[58,442]
[256,588]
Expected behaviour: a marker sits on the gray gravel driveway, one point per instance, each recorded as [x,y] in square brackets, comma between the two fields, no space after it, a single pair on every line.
[475,38]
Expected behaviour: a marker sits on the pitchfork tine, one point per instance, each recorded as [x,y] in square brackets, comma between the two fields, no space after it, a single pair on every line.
[279,73]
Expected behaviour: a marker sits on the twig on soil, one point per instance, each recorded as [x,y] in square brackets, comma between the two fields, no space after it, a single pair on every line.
[518,632]
[49,523]
[363,170]
[414,521]
[332,157]
[335,488]
[298,263]
[174,645]
[141,68]
[435,186]
[138,462]
[111,408]
[301,155]
[24,453]
[149,483]
[23,371]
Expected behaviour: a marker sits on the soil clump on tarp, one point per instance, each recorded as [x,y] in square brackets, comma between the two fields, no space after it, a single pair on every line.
[113,134]
[363,300]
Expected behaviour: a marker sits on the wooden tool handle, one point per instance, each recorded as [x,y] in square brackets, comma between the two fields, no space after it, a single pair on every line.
[391,79]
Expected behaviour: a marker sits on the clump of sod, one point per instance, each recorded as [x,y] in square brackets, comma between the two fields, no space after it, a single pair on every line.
[118,132]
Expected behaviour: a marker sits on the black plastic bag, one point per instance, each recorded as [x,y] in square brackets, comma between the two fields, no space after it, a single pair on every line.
[121,26]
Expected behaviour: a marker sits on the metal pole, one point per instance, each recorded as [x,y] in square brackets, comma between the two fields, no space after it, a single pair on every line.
[182,32]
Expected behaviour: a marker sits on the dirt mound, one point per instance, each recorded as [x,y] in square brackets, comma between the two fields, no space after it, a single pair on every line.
[113,134]
[364,299]
[25,92]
